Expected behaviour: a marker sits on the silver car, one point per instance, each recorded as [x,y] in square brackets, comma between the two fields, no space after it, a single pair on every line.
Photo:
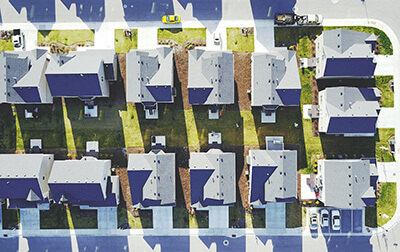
[335,219]
[313,221]
[324,218]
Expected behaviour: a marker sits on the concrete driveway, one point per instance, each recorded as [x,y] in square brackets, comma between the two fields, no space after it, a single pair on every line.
[162,217]
[275,215]
[218,216]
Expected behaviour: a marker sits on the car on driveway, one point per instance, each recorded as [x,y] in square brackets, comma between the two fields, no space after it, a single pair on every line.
[324,218]
[313,221]
[18,39]
[285,19]
[335,219]
[171,19]
[217,38]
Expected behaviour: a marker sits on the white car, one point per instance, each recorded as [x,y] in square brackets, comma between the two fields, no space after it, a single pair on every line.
[324,218]
[18,40]
[335,219]
[217,38]
[313,221]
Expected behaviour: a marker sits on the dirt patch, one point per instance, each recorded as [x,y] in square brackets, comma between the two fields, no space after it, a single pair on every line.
[182,66]
[184,176]
[122,66]
[243,182]
[242,74]
[126,190]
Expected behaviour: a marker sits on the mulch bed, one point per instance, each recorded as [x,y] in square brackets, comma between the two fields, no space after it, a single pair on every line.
[242,74]
[181,64]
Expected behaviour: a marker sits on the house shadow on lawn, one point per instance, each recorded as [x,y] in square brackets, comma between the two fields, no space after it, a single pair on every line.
[335,147]
[7,129]
[56,218]
[49,126]
[288,124]
[170,122]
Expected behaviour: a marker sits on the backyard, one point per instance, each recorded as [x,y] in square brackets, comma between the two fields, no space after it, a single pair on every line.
[240,41]
[125,40]
[180,35]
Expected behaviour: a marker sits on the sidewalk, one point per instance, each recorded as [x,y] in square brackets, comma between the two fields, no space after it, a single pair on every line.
[385,118]
[387,171]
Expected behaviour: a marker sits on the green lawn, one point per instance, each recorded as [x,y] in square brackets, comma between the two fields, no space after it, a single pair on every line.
[67,37]
[171,123]
[231,135]
[238,42]
[180,35]
[381,139]
[384,207]
[293,215]
[9,216]
[124,44]
[304,48]
[287,36]
[306,89]
[56,218]
[381,82]
[384,43]
[6,45]
[236,216]
[181,218]
[7,129]
[202,219]
[107,128]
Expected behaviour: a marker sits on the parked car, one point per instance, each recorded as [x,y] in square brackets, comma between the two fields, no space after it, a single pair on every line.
[313,221]
[171,19]
[324,218]
[312,19]
[217,38]
[285,19]
[335,219]
[18,39]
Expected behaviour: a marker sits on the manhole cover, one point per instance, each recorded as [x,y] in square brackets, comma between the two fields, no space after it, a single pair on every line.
[226,242]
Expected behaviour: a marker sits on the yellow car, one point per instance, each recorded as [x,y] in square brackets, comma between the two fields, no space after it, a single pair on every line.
[171,19]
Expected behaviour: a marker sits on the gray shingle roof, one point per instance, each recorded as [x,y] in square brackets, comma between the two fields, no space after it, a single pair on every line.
[88,61]
[282,184]
[20,69]
[270,72]
[148,68]
[23,165]
[342,43]
[344,102]
[161,182]
[221,184]
[344,182]
[87,170]
[212,69]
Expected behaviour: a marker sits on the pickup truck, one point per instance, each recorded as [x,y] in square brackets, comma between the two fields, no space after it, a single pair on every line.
[285,19]
[312,19]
